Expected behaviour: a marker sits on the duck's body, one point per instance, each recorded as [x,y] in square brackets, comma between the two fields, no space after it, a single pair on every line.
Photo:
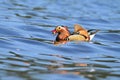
[76,37]
[79,34]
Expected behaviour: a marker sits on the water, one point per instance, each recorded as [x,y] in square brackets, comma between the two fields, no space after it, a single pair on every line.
[27,51]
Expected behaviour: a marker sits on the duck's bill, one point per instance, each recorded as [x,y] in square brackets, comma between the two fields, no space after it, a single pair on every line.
[54,31]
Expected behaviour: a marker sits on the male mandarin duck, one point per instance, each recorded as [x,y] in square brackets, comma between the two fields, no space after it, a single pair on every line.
[79,34]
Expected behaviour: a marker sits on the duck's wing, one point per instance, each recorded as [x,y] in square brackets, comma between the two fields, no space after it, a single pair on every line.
[92,31]
[77,28]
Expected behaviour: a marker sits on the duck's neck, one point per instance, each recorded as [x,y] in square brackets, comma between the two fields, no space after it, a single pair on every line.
[62,35]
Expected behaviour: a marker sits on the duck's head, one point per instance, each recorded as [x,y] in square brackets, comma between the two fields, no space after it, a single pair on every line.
[62,31]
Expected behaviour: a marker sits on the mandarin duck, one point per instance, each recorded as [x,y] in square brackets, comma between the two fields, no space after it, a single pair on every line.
[79,34]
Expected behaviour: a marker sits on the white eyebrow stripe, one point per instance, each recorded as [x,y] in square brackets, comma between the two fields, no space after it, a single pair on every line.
[62,27]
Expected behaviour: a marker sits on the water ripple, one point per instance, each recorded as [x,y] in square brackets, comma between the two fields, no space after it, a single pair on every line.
[27,51]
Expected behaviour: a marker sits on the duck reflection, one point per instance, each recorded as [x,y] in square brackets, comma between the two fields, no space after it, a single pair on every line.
[62,68]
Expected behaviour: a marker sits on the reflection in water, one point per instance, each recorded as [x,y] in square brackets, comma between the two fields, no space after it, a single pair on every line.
[28,64]
[60,42]
[57,65]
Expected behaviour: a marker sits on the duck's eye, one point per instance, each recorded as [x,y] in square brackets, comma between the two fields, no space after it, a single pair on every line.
[59,28]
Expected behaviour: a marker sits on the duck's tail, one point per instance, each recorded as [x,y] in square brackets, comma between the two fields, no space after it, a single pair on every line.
[92,33]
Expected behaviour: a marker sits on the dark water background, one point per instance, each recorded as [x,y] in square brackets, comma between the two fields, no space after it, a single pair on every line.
[26,43]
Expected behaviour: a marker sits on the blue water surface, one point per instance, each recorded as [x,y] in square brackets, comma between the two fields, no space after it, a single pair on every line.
[27,51]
